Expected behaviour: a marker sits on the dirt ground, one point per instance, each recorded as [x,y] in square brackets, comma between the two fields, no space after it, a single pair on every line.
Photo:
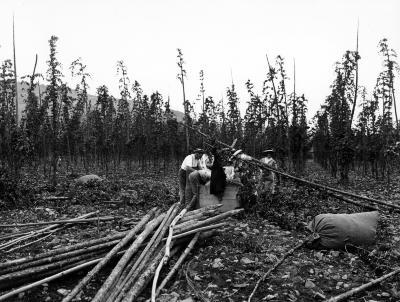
[227,266]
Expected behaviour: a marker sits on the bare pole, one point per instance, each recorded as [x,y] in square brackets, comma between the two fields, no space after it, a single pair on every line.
[356,84]
[276,103]
[34,68]
[202,88]
[223,109]
[273,86]
[287,119]
[40,94]
[181,77]
[294,77]
[186,116]
[15,75]
[393,96]
[290,159]
[395,108]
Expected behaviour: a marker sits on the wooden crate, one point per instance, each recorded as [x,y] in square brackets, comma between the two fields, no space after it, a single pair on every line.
[229,200]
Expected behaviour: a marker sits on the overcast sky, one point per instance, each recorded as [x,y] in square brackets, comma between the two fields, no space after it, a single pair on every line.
[223,38]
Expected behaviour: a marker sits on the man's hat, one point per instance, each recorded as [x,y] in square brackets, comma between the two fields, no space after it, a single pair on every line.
[268,151]
[198,150]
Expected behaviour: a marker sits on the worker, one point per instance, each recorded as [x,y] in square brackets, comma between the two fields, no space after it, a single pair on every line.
[268,178]
[200,177]
[190,164]
[248,176]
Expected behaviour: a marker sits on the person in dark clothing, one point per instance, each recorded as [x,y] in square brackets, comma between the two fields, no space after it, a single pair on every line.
[218,177]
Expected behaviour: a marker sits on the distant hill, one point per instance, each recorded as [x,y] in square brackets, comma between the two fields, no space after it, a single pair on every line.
[22,95]
[178,114]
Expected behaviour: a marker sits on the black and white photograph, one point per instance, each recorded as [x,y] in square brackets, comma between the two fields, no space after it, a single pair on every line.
[199,151]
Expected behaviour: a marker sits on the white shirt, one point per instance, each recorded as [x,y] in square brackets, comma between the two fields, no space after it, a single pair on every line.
[229,172]
[206,162]
[205,165]
[190,161]
[269,161]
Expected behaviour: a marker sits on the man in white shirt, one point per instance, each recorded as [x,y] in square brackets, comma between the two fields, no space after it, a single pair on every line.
[196,178]
[190,163]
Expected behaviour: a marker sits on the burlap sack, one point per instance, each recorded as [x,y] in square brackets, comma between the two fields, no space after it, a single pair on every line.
[88,178]
[335,231]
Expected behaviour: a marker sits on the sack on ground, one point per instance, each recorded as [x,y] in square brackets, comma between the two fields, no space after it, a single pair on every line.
[88,178]
[335,231]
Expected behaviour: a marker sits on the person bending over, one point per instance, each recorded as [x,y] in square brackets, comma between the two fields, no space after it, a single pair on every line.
[190,164]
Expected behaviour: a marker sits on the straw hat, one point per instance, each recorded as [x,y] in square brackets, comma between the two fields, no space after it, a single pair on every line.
[198,150]
[268,151]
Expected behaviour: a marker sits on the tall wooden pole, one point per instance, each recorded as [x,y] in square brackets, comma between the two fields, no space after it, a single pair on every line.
[181,76]
[15,75]
[294,77]
[186,111]
[356,84]
[395,107]
[273,86]
[223,109]
[391,94]
[290,156]
[34,68]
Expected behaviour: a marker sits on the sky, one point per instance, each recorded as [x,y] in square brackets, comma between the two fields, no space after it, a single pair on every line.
[227,39]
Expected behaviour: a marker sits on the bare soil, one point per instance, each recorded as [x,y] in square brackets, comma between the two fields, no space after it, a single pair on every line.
[227,266]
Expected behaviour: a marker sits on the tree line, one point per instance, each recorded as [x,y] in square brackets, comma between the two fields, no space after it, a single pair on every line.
[370,142]
[138,129]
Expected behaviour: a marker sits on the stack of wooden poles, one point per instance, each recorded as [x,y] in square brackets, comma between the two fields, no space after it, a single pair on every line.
[32,233]
[142,251]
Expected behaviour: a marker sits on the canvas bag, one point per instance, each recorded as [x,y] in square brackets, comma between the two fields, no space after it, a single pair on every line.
[88,178]
[334,231]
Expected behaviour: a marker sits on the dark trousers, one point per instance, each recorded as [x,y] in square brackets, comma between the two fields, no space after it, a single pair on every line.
[189,183]
[182,185]
[195,181]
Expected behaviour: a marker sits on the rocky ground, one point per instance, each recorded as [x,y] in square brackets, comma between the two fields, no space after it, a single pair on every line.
[227,266]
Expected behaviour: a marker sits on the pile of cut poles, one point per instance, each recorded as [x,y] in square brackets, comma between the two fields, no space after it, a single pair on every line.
[137,255]
[31,233]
